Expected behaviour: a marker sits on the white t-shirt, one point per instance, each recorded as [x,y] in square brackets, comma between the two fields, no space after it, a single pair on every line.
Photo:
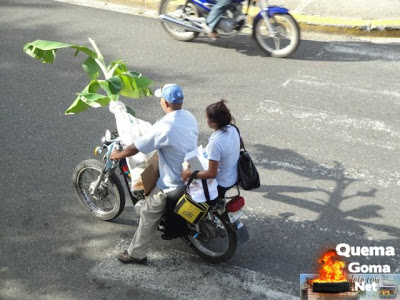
[198,160]
[224,147]
[172,136]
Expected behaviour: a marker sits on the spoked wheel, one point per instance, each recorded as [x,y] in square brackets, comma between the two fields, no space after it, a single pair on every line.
[108,201]
[176,9]
[217,241]
[286,39]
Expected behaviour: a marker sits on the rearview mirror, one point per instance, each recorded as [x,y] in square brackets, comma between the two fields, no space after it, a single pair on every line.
[107,135]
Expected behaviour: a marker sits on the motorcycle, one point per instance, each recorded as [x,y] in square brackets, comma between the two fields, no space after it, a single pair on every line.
[275,31]
[99,189]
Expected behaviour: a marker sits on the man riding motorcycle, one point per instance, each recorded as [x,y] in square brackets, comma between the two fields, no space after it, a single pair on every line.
[172,136]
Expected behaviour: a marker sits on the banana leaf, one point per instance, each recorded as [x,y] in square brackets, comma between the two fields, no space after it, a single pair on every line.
[46,50]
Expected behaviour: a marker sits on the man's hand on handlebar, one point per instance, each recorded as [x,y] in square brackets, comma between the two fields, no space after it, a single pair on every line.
[128,151]
[115,155]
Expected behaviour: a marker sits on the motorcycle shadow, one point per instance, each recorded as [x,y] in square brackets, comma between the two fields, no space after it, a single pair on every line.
[241,43]
[127,217]
[312,50]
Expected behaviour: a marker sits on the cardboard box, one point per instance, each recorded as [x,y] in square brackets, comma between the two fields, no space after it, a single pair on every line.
[151,174]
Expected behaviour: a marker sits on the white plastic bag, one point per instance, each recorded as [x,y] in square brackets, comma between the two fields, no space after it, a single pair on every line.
[129,129]
[197,161]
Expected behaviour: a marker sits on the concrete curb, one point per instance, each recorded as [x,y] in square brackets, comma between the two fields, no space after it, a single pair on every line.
[308,23]
[352,27]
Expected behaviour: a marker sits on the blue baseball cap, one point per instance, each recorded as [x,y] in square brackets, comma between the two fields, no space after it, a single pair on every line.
[172,93]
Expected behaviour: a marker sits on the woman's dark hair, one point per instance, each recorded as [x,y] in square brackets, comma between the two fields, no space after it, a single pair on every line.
[220,114]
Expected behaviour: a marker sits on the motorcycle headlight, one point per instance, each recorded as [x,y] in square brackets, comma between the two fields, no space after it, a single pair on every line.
[98,150]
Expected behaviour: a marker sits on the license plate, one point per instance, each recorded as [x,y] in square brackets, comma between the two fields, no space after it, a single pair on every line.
[234,216]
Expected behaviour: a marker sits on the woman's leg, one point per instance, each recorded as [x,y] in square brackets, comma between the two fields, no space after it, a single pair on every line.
[222,191]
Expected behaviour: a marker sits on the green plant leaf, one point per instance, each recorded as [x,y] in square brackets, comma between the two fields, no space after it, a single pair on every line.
[92,87]
[121,67]
[79,105]
[115,85]
[135,85]
[126,83]
[130,110]
[94,100]
[111,88]
[86,100]
[46,50]
[91,68]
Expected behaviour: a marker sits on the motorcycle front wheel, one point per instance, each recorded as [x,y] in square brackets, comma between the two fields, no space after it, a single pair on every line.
[175,8]
[285,40]
[217,241]
[108,201]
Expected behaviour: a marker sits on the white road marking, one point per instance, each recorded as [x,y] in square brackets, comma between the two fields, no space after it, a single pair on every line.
[395,94]
[360,50]
[344,128]
[184,276]
[286,82]
[302,6]
[374,178]
[346,121]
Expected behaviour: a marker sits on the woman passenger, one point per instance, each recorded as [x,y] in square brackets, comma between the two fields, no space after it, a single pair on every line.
[222,150]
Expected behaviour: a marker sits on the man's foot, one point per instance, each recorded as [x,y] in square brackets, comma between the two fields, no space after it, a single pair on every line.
[211,33]
[127,259]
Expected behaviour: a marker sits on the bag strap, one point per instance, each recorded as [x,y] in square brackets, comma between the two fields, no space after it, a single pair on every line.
[241,140]
[203,181]
[205,188]
[192,177]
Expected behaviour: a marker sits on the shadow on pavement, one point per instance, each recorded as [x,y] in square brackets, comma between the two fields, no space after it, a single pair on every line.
[292,247]
[313,50]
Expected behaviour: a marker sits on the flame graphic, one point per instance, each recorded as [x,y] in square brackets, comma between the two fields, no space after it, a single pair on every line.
[332,270]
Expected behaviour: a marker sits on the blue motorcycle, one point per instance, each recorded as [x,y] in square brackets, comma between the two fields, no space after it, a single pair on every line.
[275,31]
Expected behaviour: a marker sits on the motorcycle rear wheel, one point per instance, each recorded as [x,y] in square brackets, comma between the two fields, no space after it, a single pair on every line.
[173,9]
[109,201]
[288,35]
[220,243]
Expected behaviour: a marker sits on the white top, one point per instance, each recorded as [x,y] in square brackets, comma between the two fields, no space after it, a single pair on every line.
[224,147]
[172,136]
[197,161]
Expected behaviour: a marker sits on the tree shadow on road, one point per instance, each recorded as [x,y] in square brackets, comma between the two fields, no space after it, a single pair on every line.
[291,246]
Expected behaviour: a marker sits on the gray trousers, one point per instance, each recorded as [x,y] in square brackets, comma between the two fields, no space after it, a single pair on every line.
[150,216]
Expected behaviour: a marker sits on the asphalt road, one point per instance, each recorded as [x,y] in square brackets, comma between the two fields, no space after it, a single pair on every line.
[322,126]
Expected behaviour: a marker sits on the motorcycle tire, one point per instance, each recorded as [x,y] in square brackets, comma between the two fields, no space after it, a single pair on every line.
[212,256]
[277,21]
[112,192]
[178,33]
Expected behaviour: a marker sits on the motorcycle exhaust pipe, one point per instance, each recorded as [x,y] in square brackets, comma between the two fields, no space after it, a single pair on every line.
[178,22]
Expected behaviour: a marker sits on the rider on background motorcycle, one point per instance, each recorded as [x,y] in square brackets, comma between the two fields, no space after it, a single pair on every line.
[215,15]
[172,136]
